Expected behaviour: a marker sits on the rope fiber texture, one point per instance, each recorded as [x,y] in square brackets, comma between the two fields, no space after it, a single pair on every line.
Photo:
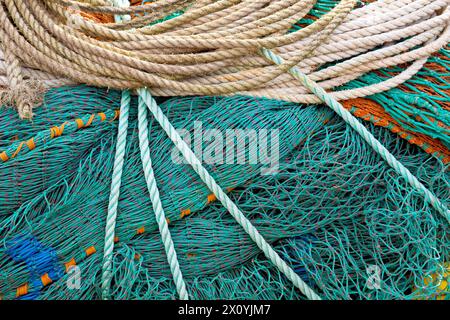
[212,48]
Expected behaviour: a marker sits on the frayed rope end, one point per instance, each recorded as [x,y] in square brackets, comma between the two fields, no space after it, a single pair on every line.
[24,96]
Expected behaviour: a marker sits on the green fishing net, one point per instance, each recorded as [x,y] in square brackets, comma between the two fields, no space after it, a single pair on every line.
[337,212]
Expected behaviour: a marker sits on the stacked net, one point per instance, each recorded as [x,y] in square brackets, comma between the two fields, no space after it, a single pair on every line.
[333,209]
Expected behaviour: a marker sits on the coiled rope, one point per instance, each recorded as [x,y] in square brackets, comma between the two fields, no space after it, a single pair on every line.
[212,49]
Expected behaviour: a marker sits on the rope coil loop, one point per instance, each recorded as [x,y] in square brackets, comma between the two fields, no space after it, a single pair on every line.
[212,48]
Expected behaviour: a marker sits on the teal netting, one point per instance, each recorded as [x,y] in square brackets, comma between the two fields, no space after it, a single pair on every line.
[333,208]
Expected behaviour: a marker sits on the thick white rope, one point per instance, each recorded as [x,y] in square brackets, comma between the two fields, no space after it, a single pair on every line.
[116,182]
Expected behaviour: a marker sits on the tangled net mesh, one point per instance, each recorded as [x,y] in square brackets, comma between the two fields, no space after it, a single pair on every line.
[333,209]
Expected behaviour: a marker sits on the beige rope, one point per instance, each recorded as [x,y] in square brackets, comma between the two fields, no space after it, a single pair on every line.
[214,47]
[24,94]
[99,55]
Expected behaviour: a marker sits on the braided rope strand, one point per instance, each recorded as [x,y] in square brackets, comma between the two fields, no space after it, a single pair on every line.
[114,195]
[192,159]
[156,202]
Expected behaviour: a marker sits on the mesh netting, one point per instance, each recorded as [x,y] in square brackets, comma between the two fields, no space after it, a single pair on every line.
[337,212]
